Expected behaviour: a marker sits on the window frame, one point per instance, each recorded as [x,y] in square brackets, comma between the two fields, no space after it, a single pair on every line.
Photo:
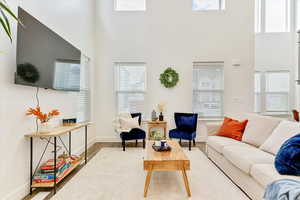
[118,91]
[207,65]
[222,7]
[263,94]
[115,2]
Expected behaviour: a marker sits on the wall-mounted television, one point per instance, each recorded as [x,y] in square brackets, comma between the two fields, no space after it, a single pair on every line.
[45,59]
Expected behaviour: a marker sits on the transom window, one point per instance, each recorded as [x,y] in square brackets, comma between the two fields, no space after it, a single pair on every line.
[208,89]
[208,4]
[130,86]
[272,16]
[130,5]
[272,91]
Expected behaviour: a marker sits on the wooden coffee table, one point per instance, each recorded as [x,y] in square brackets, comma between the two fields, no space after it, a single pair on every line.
[175,160]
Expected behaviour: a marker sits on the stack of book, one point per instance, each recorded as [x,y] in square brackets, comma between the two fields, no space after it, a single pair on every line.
[46,171]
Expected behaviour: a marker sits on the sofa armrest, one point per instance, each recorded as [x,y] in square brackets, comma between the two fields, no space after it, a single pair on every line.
[213,127]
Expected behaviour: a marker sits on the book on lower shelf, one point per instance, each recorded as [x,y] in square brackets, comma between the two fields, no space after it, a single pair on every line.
[45,174]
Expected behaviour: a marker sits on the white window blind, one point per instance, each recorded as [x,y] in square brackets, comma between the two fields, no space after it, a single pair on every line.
[130,5]
[208,89]
[130,86]
[274,92]
[208,4]
[84,96]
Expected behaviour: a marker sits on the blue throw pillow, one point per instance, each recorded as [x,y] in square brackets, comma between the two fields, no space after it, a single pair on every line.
[287,161]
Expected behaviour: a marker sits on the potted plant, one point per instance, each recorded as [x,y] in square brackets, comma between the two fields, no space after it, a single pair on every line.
[43,118]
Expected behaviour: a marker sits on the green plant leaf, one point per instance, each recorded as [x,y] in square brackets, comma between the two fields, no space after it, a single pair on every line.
[6,21]
[9,11]
[5,28]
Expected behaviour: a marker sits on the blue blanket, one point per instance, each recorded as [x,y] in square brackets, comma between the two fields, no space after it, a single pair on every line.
[285,189]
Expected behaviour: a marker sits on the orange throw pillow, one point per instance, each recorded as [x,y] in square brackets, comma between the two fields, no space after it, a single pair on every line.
[232,128]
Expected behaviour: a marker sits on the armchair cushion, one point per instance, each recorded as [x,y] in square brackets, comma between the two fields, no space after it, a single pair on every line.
[176,133]
[133,134]
[186,121]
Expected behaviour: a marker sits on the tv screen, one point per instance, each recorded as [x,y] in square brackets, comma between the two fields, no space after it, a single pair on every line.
[44,59]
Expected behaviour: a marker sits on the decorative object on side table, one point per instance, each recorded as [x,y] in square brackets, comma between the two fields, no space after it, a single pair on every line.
[43,118]
[153,116]
[169,78]
[69,122]
[161,108]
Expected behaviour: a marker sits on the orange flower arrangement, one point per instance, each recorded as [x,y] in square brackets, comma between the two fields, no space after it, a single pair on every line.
[43,117]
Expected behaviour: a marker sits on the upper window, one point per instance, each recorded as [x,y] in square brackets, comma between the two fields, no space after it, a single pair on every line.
[130,87]
[208,87]
[272,16]
[272,91]
[208,4]
[130,5]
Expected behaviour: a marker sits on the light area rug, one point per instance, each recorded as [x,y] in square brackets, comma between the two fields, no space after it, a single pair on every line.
[116,175]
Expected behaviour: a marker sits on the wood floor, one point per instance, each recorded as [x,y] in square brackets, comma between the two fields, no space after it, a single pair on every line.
[92,151]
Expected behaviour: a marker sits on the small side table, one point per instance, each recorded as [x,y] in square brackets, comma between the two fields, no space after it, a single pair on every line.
[155,124]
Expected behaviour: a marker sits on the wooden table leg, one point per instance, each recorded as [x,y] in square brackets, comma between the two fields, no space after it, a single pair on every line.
[147,182]
[186,182]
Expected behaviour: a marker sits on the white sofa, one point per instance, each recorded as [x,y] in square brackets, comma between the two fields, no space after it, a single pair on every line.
[250,163]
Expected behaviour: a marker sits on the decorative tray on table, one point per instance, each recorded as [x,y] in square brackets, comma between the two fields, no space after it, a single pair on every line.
[160,148]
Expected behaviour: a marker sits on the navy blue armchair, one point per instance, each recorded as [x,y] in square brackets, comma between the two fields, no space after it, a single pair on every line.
[186,126]
[134,134]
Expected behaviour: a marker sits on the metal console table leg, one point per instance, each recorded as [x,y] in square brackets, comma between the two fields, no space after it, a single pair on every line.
[54,165]
[31,160]
[70,142]
[85,150]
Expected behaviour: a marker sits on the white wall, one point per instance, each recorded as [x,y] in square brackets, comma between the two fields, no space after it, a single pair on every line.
[169,33]
[73,20]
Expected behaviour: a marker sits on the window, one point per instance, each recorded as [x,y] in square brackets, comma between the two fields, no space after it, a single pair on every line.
[130,5]
[130,86]
[272,15]
[84,96]
[208,86]
[272,90]
[208,4]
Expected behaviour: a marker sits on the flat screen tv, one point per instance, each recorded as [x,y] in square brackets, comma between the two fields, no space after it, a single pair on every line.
[44,59]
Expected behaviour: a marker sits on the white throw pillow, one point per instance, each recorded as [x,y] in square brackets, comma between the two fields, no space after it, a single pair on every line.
[259,128]
[129,123]
[284,131]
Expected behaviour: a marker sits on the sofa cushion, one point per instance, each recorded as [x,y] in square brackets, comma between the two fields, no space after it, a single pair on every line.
[245,156]
[259,128]
[284,131]
[218,142]
[265,174]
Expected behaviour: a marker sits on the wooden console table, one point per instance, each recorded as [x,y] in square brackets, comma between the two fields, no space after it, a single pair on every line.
[56,133]
[154,124]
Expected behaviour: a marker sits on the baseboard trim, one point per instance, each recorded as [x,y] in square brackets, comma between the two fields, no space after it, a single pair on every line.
[23,190]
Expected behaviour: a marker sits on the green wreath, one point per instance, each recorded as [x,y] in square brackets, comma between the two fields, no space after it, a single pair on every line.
[28,72]
[169,78]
